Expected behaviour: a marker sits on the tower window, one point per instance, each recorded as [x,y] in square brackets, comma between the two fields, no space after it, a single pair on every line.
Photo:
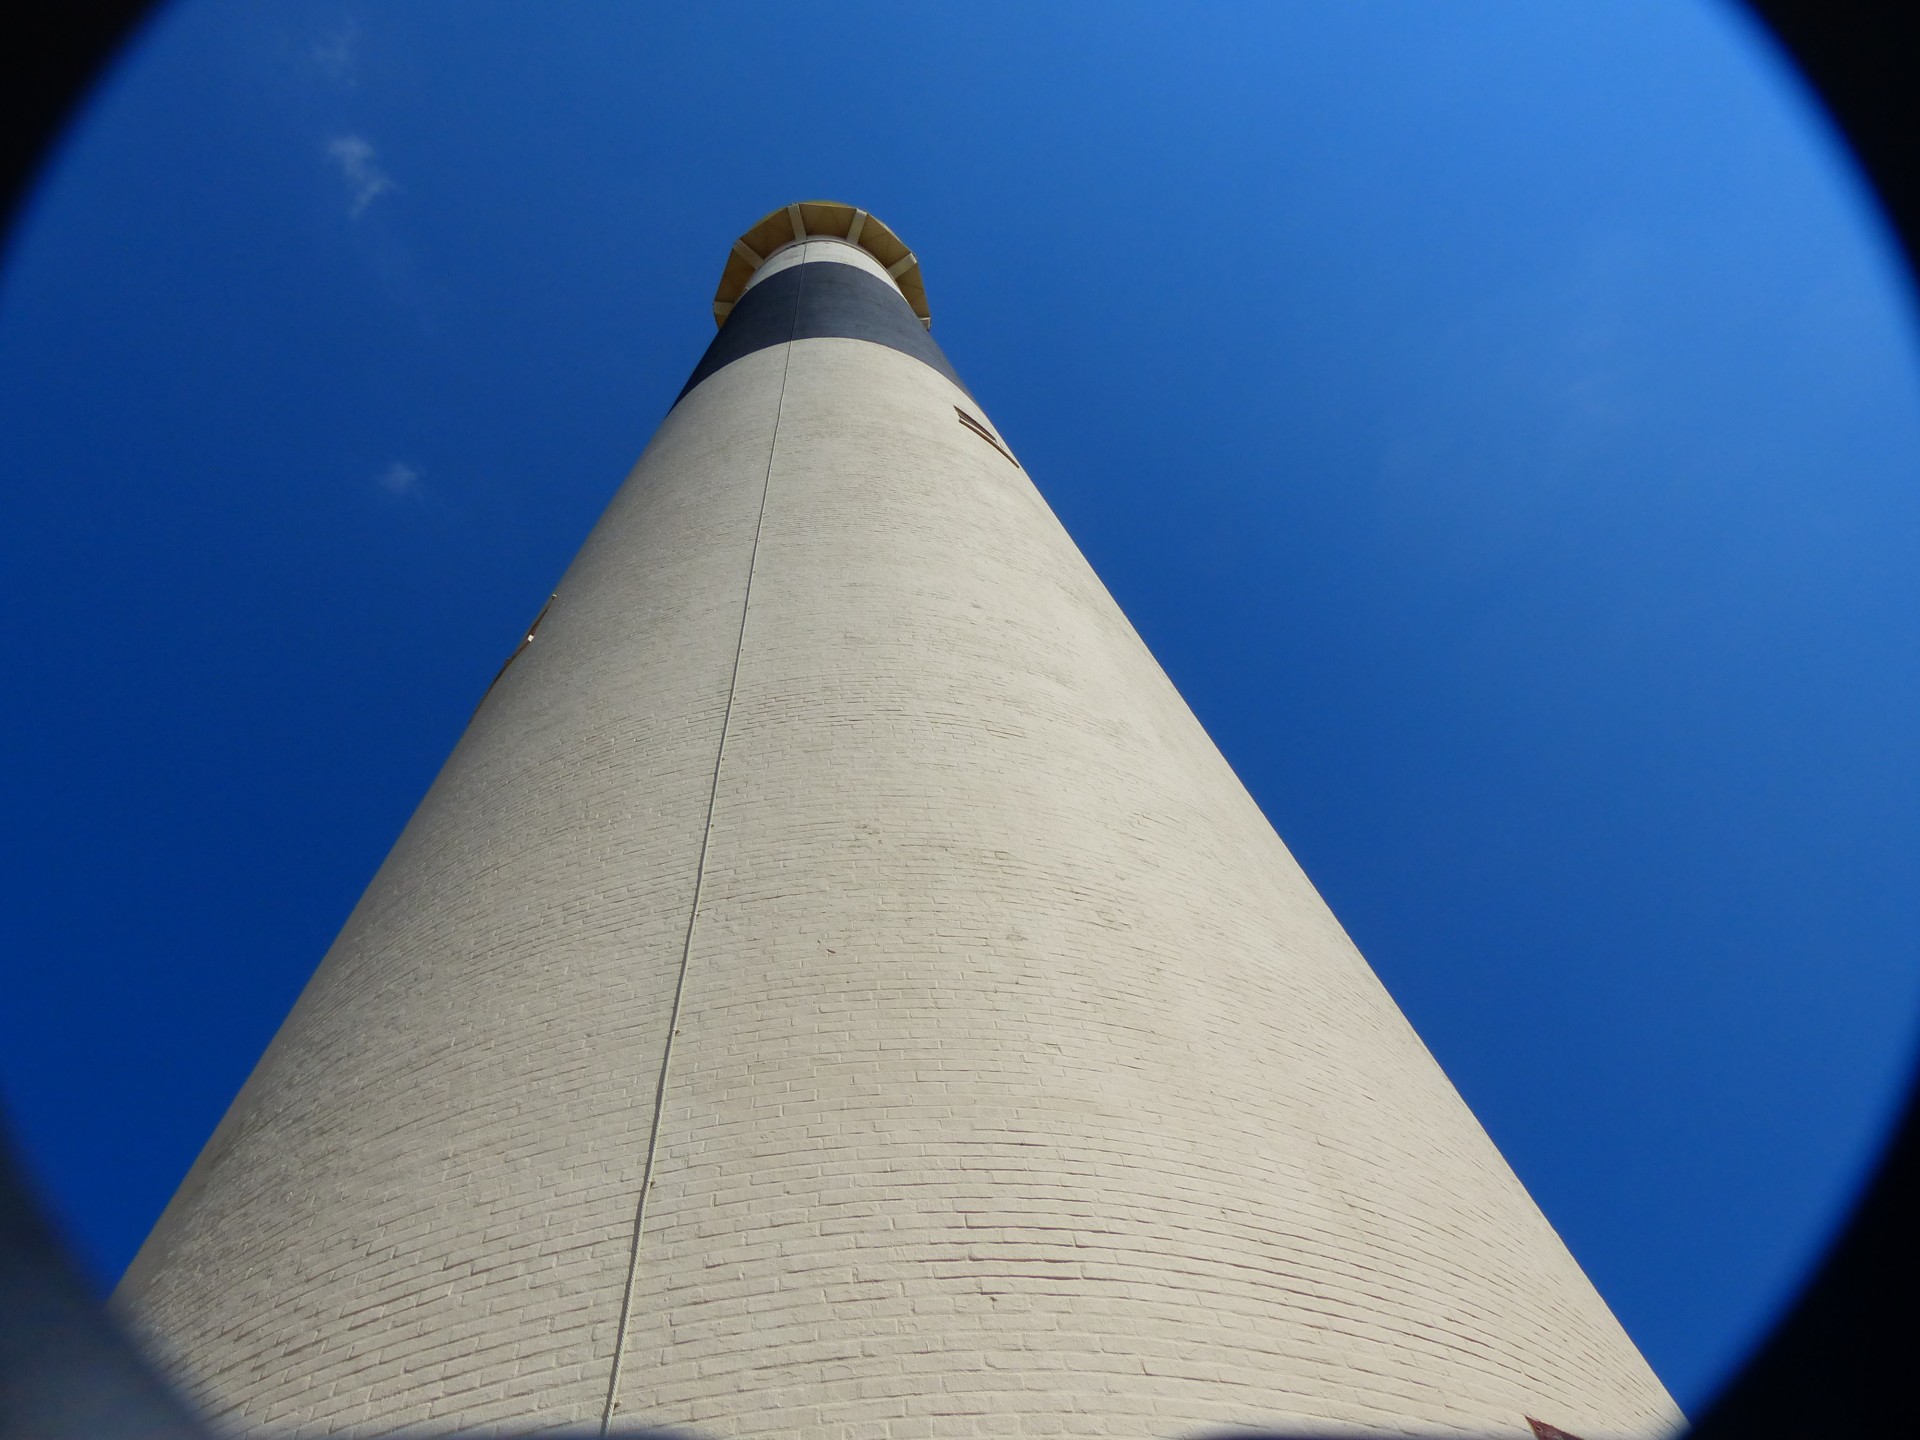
[985,434]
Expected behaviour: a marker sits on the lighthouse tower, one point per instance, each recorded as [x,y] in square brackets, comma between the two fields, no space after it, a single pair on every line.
[835,990]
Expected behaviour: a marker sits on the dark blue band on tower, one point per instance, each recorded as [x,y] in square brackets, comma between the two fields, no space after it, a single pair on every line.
[832,300]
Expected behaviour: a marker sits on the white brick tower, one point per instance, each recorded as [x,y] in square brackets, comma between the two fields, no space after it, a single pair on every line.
[836,991]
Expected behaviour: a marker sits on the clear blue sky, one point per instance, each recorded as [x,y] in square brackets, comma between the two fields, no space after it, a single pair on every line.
[1500,419]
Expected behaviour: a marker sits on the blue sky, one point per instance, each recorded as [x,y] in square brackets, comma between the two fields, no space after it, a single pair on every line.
[1501,420]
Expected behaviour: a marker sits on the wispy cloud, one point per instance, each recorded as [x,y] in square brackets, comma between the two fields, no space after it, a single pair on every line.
[366,181]
[336,56]
[399,478]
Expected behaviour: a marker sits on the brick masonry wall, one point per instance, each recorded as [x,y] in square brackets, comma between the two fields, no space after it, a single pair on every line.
[1022,1082]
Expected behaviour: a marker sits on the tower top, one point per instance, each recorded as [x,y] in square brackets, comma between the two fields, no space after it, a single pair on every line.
[823,220]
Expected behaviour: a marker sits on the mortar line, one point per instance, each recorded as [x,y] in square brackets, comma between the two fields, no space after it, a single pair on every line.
[699,884]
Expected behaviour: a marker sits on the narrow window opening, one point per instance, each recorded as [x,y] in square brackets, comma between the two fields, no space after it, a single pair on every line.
[985,434]
[525,641]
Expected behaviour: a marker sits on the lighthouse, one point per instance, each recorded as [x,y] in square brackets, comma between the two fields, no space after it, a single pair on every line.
[835,990]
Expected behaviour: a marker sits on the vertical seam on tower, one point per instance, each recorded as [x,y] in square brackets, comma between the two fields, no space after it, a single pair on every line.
[699,883]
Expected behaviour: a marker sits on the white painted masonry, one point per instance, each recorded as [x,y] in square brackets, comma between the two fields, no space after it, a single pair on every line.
[1021,1083]
[798,252]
